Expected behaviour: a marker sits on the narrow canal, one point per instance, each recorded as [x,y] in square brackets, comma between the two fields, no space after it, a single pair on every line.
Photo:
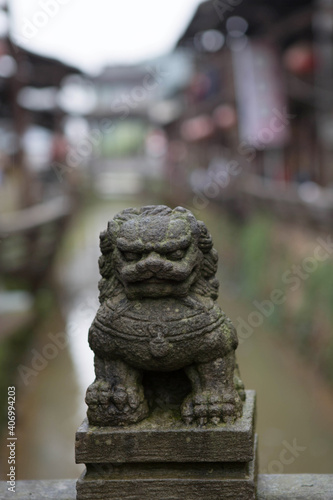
[295,408]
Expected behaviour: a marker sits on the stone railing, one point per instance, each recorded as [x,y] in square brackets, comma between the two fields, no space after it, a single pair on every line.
[270,487]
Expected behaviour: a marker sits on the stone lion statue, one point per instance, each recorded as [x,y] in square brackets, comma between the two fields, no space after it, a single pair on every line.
[158,314]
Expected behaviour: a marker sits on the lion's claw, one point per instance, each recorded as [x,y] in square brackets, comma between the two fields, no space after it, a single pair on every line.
[98,393]
[211,409]
[119,397]
[115,405]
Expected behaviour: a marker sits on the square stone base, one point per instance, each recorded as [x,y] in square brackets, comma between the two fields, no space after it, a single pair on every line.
[163,459]
[170,481]
[164,438]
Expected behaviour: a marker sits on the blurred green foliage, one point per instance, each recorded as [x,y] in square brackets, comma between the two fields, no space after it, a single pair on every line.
[12,350]
[127,138]
[256,261]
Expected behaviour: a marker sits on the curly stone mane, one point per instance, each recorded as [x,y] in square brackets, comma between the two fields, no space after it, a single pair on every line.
[109,286]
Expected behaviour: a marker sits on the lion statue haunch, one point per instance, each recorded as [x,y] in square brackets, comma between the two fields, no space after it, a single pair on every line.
[158,313]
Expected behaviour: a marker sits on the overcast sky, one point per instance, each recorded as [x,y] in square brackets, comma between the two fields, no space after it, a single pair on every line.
[92,33]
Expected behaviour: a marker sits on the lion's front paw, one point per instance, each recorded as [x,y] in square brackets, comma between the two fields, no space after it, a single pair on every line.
[207,407]
[115,405]
[98,398]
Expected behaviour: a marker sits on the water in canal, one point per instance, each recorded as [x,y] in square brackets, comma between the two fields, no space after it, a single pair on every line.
[295,409]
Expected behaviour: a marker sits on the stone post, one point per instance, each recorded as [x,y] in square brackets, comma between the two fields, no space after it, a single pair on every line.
[168,417]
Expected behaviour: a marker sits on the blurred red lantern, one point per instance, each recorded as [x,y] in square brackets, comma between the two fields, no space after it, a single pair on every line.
[225,116]
[3,48]
[300,59]
[196,129]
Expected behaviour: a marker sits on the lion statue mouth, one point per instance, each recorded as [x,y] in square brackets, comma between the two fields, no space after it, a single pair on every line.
[156,287]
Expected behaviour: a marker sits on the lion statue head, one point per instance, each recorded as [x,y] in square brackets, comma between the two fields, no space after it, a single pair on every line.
[154,252]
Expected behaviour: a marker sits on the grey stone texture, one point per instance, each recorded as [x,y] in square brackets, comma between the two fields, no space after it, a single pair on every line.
[162,438]
[158,314]
[270,487]
[170,481]
[168,416]
[163,458]
[182,488]
[40,490]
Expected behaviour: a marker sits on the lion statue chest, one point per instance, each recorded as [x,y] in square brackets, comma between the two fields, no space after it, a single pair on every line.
[165,334]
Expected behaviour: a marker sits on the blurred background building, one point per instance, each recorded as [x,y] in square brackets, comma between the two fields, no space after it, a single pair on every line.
[260,95]
[232,119]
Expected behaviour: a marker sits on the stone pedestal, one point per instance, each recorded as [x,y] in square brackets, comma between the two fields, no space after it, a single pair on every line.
[162,459]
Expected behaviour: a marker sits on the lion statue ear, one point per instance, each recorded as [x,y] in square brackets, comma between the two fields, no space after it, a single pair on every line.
[205,240]
[209,284]
[108,283]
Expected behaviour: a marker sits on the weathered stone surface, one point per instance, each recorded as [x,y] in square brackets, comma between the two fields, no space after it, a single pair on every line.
[164,439]
[40,490]
[167,489]
[170,481]
[166,412]
[295,487]
[159,313]
[270,487]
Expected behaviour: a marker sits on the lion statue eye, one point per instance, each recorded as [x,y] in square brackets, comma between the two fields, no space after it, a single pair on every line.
[176,255]
[132,256]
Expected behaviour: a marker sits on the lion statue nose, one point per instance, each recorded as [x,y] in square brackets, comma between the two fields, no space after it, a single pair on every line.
[152,262]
